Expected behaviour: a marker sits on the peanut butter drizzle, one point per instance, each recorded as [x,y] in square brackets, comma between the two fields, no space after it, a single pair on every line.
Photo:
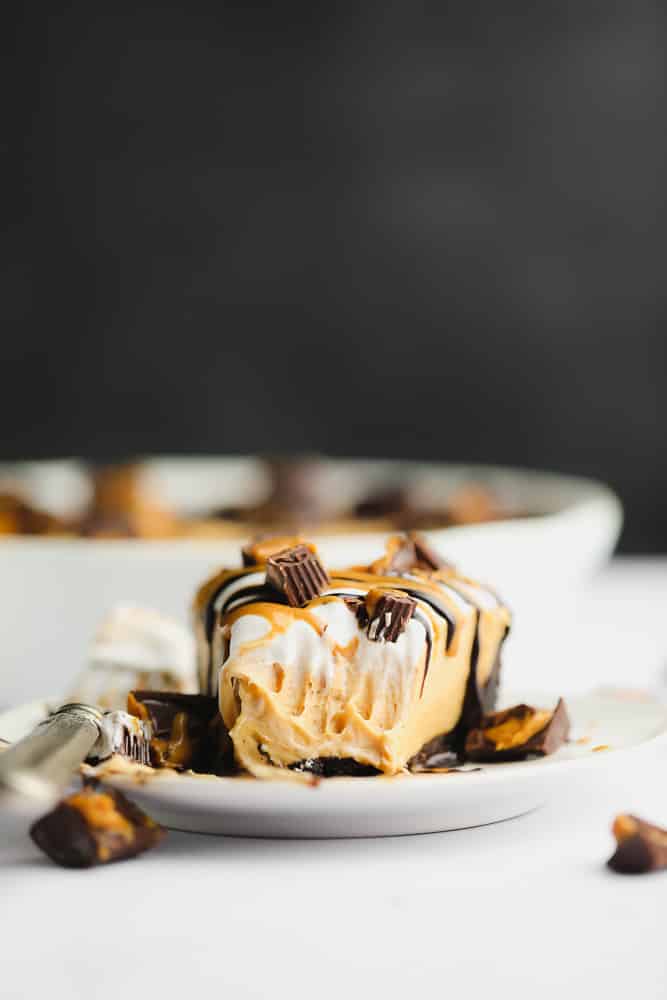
[137,708]
[263,548]
[100,812]
[279,616]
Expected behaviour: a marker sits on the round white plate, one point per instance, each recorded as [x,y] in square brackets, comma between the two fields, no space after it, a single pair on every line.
[604,725]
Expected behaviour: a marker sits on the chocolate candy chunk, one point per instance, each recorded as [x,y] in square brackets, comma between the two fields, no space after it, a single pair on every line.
[259,550]
[425,555]
[389,611]
[297,573]
[640,846]
[357,606]
[517,733]
[93,827]
[182,727]
[408,552]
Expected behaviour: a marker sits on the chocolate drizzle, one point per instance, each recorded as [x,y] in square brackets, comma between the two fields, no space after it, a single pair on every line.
[478,699]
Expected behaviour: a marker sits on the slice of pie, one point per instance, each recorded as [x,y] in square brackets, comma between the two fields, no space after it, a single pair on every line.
[347,671]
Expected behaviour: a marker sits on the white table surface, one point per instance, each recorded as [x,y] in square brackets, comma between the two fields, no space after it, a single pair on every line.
[523,908]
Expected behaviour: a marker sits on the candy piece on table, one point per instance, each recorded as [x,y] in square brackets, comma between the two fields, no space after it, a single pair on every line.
[136,647]
[95,826]
[517,733]
[640,846]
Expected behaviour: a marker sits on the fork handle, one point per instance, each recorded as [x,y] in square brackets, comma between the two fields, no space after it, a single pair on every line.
[42,763]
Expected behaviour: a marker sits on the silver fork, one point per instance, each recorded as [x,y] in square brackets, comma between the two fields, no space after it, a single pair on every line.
[41,764]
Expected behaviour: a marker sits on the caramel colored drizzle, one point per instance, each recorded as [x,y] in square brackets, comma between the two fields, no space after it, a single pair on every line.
[279,616]
[178,749]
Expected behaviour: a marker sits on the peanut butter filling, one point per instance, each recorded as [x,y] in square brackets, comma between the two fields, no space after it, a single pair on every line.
[626,826]
[515,732]
[100,812]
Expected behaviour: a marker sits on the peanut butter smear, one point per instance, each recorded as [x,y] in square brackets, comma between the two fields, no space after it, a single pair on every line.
[100,812]
[516,732]
[296,683]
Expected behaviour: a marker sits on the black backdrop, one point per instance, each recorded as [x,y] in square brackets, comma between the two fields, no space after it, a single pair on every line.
[425,229]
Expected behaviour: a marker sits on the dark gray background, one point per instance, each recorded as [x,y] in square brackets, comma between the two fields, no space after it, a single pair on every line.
[428,229]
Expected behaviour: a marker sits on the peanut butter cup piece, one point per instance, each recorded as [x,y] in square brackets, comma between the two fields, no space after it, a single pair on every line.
[389,611]
[94,826]
[640,846]
[181,727]
[297,573]
[517,733]
[408,552]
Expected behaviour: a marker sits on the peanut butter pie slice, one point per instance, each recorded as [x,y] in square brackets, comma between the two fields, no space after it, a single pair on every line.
[346,671]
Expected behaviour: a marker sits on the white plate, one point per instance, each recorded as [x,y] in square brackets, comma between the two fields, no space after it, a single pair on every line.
[370,807]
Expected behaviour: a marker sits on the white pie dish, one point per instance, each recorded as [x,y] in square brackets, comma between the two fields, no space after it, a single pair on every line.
[54,591]
[611,723]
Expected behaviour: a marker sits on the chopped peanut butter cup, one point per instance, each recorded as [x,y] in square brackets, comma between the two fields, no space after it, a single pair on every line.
[389,611]
[518,732]
[409,552]
[640,846]
[93,827]
[181,725]
[297,573]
